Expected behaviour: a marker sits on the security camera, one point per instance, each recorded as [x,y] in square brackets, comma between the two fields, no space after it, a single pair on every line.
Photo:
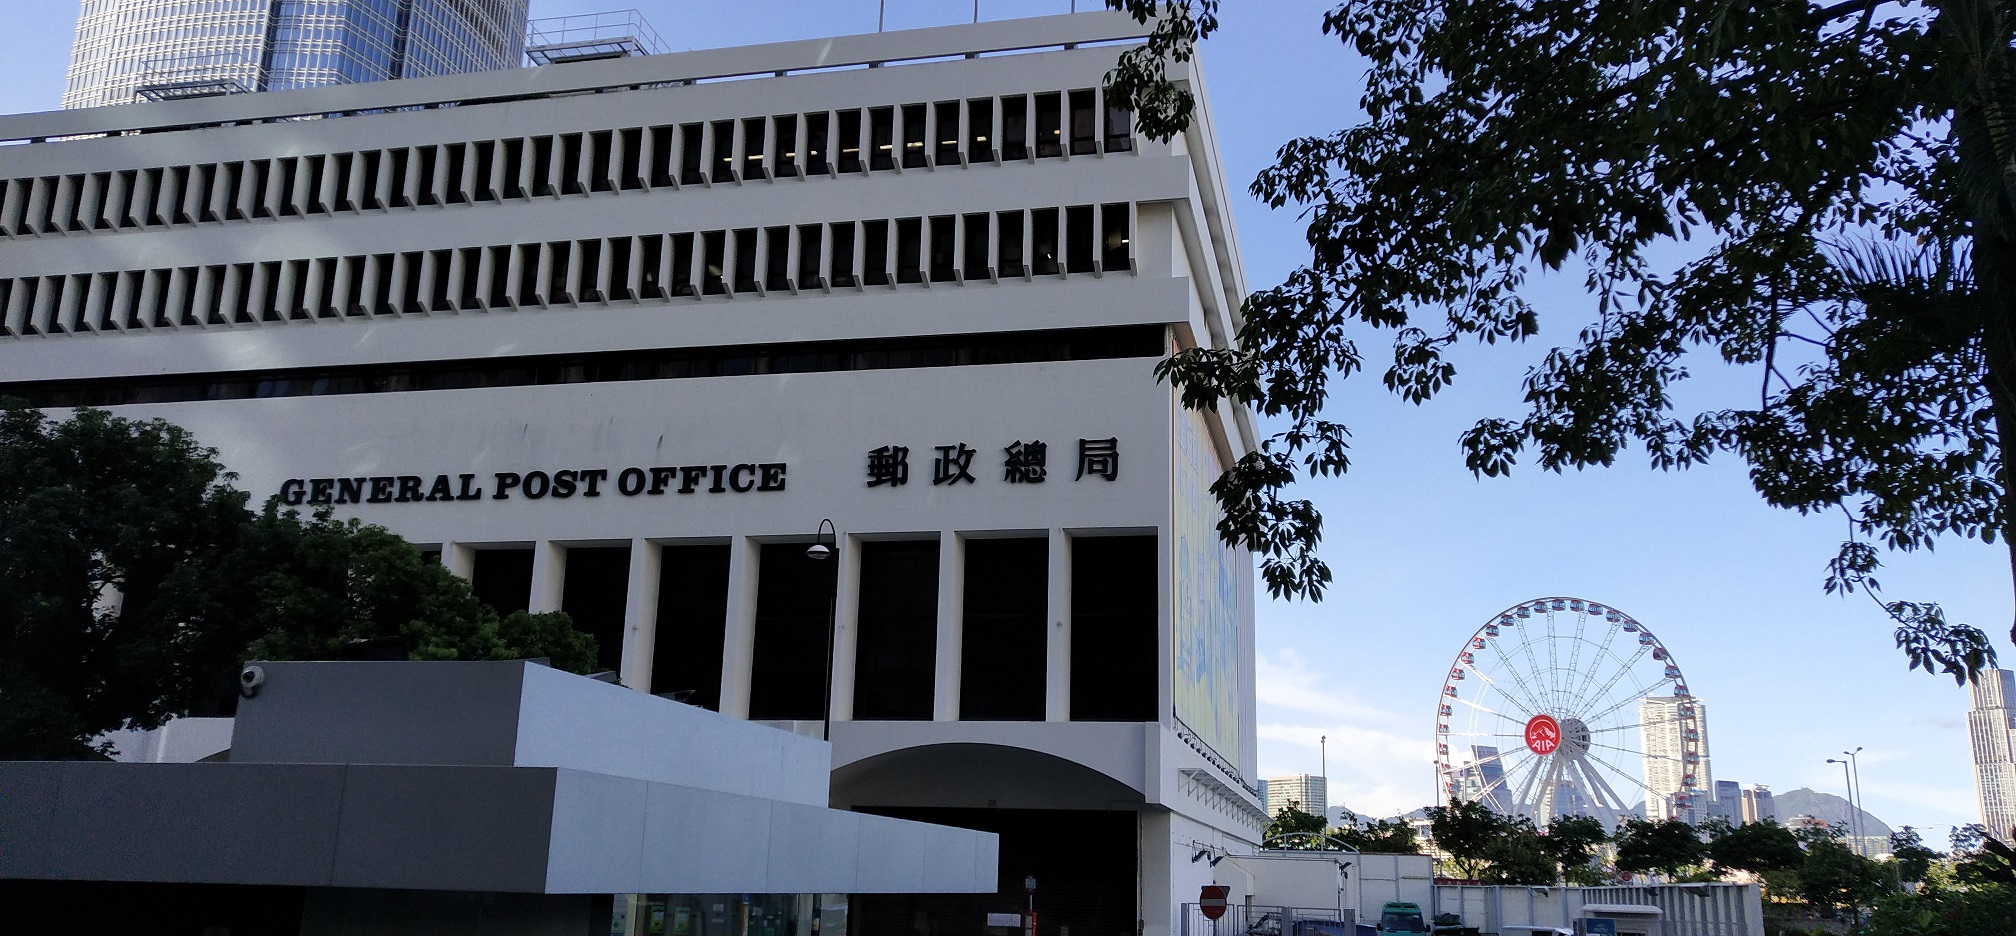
[249,680]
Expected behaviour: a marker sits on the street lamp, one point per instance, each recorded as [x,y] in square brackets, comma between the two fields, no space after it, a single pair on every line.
[819,551]
[1848,785]
[1855,800]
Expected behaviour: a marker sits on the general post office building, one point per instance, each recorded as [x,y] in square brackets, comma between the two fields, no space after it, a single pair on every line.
[615,337]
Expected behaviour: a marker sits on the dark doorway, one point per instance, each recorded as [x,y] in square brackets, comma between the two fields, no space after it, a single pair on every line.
[596,589]
[1085,863]
[692,623]
[1004,653]
[1114,584]
[502,579]
[793,607]
[897,646]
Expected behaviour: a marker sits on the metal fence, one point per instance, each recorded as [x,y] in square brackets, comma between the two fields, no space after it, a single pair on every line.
[1257,920]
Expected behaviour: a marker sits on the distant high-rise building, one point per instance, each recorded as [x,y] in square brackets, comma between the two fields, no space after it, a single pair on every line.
[1728,802]
[1757,805]
[135,50]
[1991,727]
[1306,791]
[1483,779]
[1662,728]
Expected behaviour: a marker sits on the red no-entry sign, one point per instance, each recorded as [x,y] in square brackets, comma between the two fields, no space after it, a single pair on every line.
[1212,900]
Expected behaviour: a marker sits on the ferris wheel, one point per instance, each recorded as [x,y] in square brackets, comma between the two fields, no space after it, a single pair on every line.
[1563,706]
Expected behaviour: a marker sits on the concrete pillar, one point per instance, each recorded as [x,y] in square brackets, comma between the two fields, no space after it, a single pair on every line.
[640,615]
[459,559]
[1057,675]
[951,626]
[549,576]
[846,617]
[738,650]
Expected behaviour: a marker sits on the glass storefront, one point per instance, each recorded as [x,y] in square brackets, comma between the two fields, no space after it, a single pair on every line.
[729,915]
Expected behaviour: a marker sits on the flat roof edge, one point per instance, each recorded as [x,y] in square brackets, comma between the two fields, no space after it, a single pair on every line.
[934,42]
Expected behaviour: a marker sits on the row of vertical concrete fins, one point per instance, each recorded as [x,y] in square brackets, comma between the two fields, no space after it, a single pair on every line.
[731,151]
[782,259]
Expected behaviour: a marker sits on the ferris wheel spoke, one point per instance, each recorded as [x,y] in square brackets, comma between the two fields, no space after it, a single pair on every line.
[1553,661]
[1535,703]
[1602,653]
[1530,709]
[1605,672]
[1489,711]
[1575,649]
[1490,790]
[1606,799]
[1649,792]
[1622,750]
[1610,684]
[1639,694]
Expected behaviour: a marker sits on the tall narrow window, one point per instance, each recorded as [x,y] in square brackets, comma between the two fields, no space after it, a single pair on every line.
[440,298]
[777,258]
[1114,608]
[809,249]
[793,624]
[745,260]
[682,265]
[500,276]
[882,138]
[1009,238]
[514,169]
[843,254]
[691,148]
[787,144]
[502,579]
[663,142]
[897,630]
[849,142]
[427,159]
[593,593]
[915,156]
[1119,125]
[909,250]
[875,252]
[692,624]
[619,269]
[542,165]
[588,260]
[977,252]
[1080,245]
[722,134]
[631,167]
[1043,241]
[944,240]
[484,153]
[715,245]
[570,164]
[457,156]
[946,114]
[471,294]
[816,143]
[1084,122]
[754,147]
[980,129]
[1015,127]
[1004,654]
[650,258]
[601,147]
[556,272]
[1116,251]
[1049,125]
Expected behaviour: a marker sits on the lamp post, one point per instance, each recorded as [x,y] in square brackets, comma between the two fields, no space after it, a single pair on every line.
[1848,785]
[820,551]
[1855,801]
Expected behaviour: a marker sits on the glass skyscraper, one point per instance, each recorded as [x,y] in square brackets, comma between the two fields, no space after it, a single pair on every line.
[131,50]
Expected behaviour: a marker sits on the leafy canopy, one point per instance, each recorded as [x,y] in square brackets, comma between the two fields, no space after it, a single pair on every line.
[1821,194]
[1666,846]
[133,581]
[1755,847]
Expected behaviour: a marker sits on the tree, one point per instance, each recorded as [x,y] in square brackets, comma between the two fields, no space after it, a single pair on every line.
[109,524]
[1571,842]
[1663,847]
[320,583]
[1832,876]
[1938,912]
[1466,831]
[1293,828]
[1818,193]
[1520,855]
[133,582]
[1379,836]
[1757,847]
[1914,860]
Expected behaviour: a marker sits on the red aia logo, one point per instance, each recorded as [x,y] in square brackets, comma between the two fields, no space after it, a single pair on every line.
[1543,734]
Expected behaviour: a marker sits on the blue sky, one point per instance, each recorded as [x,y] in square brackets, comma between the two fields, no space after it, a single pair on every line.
[1423,552]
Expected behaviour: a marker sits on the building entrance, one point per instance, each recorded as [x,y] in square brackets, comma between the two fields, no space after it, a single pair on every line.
[1086,865]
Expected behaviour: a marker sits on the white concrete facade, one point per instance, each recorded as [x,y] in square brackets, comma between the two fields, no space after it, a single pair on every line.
[320,266]
[1991,732]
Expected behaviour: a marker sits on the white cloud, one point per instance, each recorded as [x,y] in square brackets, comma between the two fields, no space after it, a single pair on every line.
[1376,766]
